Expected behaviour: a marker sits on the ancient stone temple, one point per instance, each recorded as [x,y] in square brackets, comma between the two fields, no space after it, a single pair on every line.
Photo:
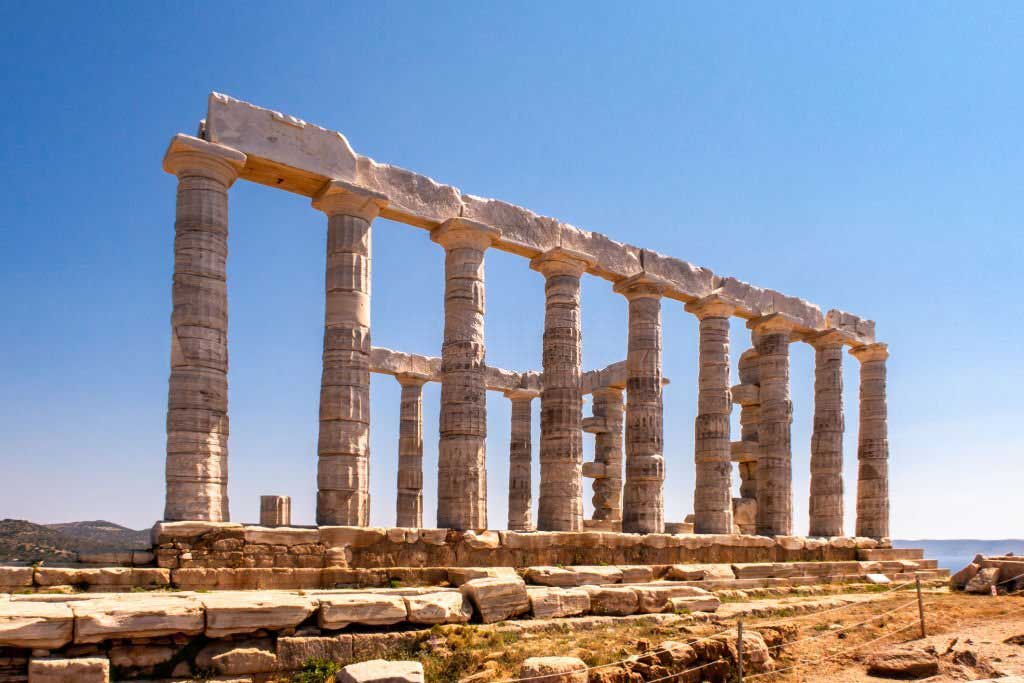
[241,141]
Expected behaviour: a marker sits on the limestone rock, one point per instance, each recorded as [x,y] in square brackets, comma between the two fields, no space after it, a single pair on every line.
[551,576]
[41,625]
[700,572]
[711,603]
[962,577]
[81,670]
[238,657]
[294,652]
[552,603]
[137,616]
[554,670]
[338,610]
[382,671]
[460,575]
[653,598]
[637,573]
[983,581]
[497,599]
[442,607]
[903,663]
[612,601]
[244,612]
[596,576]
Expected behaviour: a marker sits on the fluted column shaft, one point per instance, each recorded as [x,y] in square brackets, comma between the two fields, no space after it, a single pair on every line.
[561,403]
[775,466]
[872,443]
[343,448]
[712,499]
[520,485]
[409,501]
[607,499]
[750,416]
[826,502]
[461,461]
[643,498]
[197,403]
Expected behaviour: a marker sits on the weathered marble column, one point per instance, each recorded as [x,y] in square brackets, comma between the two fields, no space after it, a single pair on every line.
[746,451]
[872,443]
[561,403]
[275,511]
[520,484]
[197,401]
[772,335]
[461,458]
[643,498]
[409,500]
[343,478]
[712,498]
[826,502]
[608,412]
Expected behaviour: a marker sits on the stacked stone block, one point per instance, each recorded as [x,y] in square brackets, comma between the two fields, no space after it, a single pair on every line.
[197,402]
[343,478]
[461,466]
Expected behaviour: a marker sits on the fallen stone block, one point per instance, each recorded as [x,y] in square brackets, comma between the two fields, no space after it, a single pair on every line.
[238,657]
[554,670]
[338,610]
[903,663]
[551,576]
[81,670]
[497,599]
[440,607]
[382,671]
[294,651]
[554,603]
[694,604]
[700,572]
[244,612]
[37,625]
[653,599]
[612,601]
[983,581]
[136,616]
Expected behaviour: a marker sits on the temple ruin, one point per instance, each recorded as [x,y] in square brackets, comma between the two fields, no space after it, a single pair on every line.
[239,140]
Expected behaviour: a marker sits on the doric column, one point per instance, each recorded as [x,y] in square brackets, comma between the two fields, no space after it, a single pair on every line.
[712,499]
[343,478]
[520,485]
[197,401]
[410,453]
[746,451]
[643,498]
[561,403]
[826,502]
[772,335]
[607,427]
[275,511]
[872,443]
[461,458]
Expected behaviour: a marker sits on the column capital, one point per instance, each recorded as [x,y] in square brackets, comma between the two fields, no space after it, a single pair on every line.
[187,155]
[613,390]
[561,261]
[459,232]
[773,323]
[714,305]
[409,379]
[339,197]
[869,352]
[831,337]
[520,394]
[643,285]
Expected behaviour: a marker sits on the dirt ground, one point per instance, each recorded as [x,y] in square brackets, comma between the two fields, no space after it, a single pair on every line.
[969,633]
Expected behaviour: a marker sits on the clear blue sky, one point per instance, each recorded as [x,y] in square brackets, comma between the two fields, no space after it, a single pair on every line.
[865,156]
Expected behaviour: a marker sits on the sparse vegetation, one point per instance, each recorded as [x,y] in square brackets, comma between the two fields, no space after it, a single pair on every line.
[317,671]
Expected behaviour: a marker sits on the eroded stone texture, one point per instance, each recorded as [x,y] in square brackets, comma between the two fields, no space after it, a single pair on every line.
[75,670]
[772,335]
[410,453]
[461,460]
[561,403]
[712,499]
[872,443]
[275,511]
[746,451]
[520,485]
[826,503]
[343,482]
[643,500]
[606,424]
[197,402]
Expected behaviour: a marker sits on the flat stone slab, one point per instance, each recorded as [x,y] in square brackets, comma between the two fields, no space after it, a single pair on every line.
[447,607]
[245,612]
[382,671]
[338,610]
[41,625]
[555,603]
[497,599]
[137,616]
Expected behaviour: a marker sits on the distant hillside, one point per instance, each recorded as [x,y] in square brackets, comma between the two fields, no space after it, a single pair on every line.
[24,541]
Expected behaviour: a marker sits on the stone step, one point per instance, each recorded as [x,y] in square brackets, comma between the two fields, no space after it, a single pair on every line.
[890,554]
